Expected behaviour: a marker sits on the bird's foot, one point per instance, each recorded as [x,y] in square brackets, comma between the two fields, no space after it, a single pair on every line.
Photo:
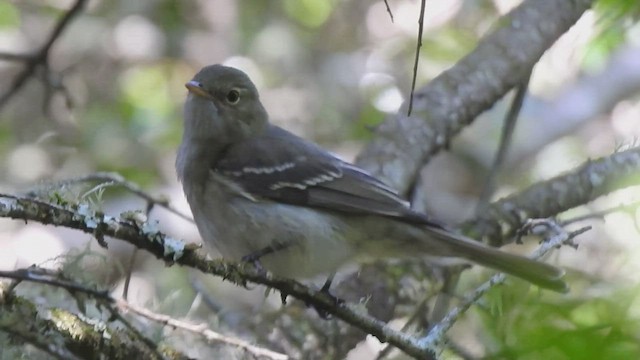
[254,257]
[325,289]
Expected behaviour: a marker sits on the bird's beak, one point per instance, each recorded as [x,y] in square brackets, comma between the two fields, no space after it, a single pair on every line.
[196,88]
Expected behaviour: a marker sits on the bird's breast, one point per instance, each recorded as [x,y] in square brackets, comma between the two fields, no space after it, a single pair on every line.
[237,225]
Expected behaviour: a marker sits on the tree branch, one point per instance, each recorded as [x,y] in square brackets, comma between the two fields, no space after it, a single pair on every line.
[594,178]
[65,335]
[504,217]
[143,236]
[105,179]
[118,306]
[506,138]
[452,100]
[436,336]
[39,58]
[403,145]
[203,331]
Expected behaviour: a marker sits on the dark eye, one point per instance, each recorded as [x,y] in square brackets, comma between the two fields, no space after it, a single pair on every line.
[233,96]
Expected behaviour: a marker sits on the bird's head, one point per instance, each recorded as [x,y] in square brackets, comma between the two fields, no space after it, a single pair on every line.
[223,105]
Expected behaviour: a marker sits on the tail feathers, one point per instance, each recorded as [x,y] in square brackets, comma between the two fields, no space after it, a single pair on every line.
[538,273]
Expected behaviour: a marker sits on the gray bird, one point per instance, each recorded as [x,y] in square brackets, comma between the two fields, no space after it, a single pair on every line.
[260,192]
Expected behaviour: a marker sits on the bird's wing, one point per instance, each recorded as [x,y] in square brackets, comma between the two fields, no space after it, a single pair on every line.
[282,167]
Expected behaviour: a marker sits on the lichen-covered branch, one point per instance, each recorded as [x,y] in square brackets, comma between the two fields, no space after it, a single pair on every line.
[594,178]
[558,236]
[105,179]
[143,236]
[452,100]
[441,110]
[545,199]
[65,335]
[590,180]
[116,309]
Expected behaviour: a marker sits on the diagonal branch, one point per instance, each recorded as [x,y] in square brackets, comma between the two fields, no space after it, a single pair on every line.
[504,217]
[452,100]
[65,335]
[119,306]
[106,179]
[506,138]
[557,238]
[594,178]
[169,249]
[40,57]
[202,330]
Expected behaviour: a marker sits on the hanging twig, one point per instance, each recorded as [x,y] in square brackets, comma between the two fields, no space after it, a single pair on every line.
[435,337]
[423,4]
[508,128]
[386,4]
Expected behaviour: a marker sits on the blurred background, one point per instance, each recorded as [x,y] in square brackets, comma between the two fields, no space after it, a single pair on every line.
[329,71]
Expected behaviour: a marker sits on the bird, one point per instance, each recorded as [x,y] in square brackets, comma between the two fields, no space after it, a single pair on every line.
[260,193]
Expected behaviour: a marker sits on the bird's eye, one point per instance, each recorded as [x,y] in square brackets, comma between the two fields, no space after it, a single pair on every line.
[233,97]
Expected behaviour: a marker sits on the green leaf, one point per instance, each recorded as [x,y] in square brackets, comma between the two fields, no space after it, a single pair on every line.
[311,13]
[9,15]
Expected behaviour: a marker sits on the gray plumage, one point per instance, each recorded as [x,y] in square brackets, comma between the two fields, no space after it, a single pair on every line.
[251,185]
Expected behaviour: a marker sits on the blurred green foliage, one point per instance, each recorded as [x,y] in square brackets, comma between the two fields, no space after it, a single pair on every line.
[519,324]
[127,103]
[614,19]
[9,15]
[311,13]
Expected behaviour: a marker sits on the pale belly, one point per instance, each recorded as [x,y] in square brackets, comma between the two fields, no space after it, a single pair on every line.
[313,241]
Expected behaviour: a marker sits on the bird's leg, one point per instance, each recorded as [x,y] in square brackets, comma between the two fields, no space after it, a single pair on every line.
[254,257]
[327,284]
[326,290]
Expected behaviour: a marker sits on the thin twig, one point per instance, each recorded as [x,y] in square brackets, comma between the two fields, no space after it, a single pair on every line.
[423,4]
[505,141]
[170,249]
[386,4]
[551,197]
[153,347]
[417,312]
[440,308]
[435,336]
[40,57]
[127,279]
[601,214]
[202,330]
[452,100]
[51,278]
[489,186]
[459,352]
[30,338]
[15,57]
[106,179]
[132,258]
[47,277]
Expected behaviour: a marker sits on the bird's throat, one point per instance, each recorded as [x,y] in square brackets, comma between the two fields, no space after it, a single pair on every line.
[196,158]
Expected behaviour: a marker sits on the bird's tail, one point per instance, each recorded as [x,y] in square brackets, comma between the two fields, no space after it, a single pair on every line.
[538,273]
